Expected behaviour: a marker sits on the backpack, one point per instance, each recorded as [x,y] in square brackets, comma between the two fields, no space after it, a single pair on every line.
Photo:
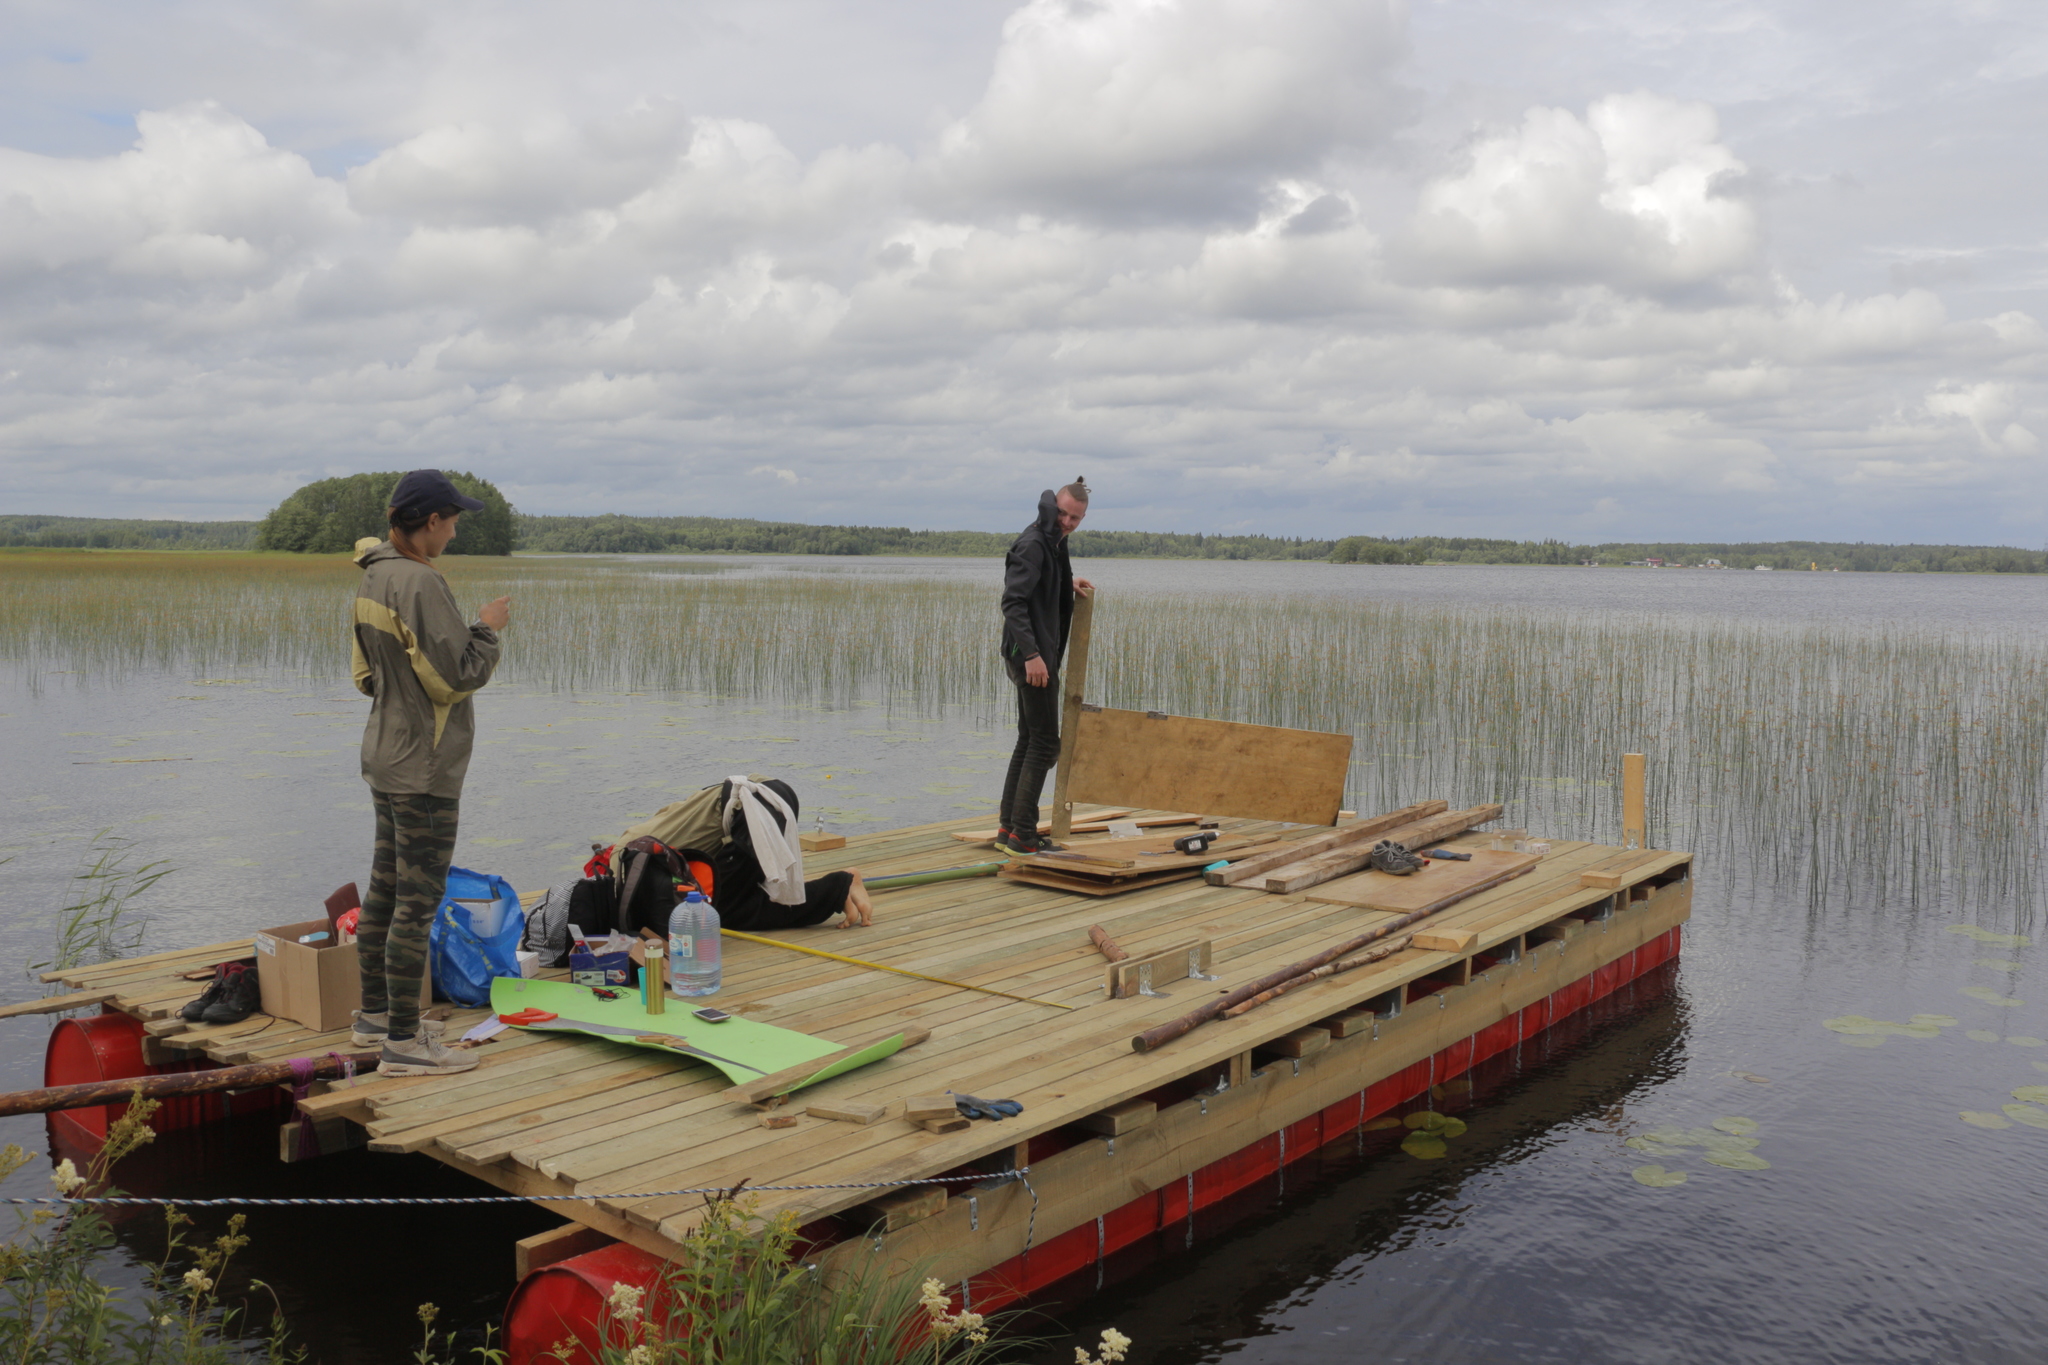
[635,886]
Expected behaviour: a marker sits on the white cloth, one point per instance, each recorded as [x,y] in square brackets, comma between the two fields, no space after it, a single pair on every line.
[775,846]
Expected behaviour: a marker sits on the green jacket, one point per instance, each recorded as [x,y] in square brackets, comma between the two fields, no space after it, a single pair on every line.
[419,664]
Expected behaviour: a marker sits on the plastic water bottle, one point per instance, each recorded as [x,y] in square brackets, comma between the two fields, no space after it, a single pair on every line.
[693,967]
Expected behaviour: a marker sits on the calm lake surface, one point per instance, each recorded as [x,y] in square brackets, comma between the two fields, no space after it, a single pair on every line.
[1885,1227]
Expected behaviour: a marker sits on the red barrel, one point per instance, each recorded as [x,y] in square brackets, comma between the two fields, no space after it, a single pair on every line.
[108,1047]
[566,1301]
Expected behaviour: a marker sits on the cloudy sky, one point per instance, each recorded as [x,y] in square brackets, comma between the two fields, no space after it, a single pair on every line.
[1594,269]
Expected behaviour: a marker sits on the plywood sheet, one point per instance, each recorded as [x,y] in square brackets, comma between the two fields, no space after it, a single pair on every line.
[1435,886]
[1216,767]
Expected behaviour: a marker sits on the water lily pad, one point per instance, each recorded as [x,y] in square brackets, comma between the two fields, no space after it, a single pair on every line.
[2027,1114]
[1424,1146]
[1865,1042]
[1737,1125]
[1977,1118]
[1450,1128]
[1858,1025]
[2021,1040]
[1426,1120]
[1989,996]
[2000,964]
[2037,1093]
[1981,1035]
[1986,936]
[1657,1178]
[1738,1161]
[1938,1020]
[1643,1144]
[1382,1123]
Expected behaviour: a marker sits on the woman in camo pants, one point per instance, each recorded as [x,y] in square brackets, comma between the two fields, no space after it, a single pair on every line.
[419,663]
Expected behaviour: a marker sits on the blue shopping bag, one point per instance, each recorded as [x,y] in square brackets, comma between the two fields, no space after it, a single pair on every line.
[475,936]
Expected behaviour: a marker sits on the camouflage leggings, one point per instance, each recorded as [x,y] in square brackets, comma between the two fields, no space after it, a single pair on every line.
[415,842]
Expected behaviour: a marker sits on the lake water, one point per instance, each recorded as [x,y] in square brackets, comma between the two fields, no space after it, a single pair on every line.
[1885,1228]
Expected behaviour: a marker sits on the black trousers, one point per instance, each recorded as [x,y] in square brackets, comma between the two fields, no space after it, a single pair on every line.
[1038,748]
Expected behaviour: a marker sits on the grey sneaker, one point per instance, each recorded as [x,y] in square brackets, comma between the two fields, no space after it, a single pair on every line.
[424,1055]
[1393,858]
[371,1029]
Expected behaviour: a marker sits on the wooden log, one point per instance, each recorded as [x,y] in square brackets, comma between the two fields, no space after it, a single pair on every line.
[900,1208]
[1073,679]
[1385,950]
[918,1108]
[1245,869]
[1105,944]
[1175,1028]
[1634,831]
[846,1111]
[1300,1043]
[558,1244]
[755,1092]
[57,1004]
[1119,1119]
[83,1096]
[1343,862]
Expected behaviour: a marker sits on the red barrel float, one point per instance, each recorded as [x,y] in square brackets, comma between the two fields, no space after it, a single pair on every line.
[564,1302]
[108,1047]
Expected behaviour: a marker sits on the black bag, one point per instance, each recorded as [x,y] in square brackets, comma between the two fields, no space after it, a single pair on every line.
[651,879]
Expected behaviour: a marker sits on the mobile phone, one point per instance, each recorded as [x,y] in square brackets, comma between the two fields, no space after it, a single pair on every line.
[710,1016]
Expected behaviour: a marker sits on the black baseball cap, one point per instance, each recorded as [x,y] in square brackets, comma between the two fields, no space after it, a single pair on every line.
[426,491]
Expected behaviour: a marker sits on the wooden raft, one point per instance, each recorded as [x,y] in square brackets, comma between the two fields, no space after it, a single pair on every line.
[548,1115]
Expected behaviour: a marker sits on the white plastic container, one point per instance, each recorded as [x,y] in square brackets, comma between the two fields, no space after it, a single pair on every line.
[693,948]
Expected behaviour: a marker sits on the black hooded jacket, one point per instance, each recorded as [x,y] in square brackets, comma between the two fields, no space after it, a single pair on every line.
[1038,590]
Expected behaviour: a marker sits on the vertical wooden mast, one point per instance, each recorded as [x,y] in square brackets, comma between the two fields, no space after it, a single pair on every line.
[1073,678]
[1633,831]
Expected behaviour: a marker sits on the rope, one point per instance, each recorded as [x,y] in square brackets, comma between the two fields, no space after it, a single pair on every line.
[885,967]
[244,1202]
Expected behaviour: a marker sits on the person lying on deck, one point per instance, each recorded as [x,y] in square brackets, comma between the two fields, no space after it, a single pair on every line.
[746,829]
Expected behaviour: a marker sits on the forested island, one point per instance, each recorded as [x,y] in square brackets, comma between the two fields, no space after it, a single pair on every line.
[328,517]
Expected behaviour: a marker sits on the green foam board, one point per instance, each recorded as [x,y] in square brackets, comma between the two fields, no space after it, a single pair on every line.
[743,1049]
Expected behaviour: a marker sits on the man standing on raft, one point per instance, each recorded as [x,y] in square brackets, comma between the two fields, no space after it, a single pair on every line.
[419,664]
[1038,607]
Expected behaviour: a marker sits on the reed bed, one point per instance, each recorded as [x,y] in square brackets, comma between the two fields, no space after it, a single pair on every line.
[1902,760]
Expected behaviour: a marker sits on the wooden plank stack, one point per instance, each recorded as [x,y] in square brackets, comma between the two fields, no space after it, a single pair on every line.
[1111,867]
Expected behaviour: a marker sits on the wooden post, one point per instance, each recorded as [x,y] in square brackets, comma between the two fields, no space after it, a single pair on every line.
[1073,678]
[1632,827]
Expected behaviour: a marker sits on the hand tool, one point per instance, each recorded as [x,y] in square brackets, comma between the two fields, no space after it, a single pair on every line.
[1447,853]
[1196,843]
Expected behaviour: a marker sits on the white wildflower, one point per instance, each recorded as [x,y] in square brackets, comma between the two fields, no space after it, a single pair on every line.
[643,1354]
[626,1301]
[196,1281]
[167,1321]
[1114,1344]
[66,1177]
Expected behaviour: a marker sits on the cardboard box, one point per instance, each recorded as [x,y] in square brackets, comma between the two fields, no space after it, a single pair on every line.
[315,984]
[614,970]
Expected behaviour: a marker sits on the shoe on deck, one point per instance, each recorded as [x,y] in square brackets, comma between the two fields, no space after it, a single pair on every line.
[196,1009]
[1393,858]
[1016,844]
[423,1055]
[239,997]
[371,1029]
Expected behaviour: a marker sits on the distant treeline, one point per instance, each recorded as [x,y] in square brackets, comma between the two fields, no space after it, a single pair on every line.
[104,533]
[614,534]
[1777,554]
[328,516]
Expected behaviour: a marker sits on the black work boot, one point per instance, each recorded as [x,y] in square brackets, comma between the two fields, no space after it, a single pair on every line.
[239,997]
[195,1008]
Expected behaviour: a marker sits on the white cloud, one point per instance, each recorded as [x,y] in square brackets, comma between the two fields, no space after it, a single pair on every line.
[1188,242]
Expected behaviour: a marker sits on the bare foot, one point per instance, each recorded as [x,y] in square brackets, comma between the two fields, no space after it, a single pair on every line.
[858,908]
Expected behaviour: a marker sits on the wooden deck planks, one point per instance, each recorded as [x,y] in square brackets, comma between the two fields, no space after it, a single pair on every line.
[552,1114]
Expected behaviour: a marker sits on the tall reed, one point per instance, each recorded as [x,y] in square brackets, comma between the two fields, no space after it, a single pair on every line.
[1898,758]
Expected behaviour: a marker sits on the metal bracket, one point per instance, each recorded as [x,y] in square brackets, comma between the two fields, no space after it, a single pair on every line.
[1441,1003]
[974,1213]
[1195,972]
[1109,1148]
[1145,980]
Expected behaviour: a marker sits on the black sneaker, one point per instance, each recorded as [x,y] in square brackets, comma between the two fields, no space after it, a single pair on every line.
[239,997]
[196,1008]
[1392,858]
[1041,844]
[1017,845]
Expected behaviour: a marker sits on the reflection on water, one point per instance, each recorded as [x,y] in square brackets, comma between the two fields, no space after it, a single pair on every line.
[1856,760]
